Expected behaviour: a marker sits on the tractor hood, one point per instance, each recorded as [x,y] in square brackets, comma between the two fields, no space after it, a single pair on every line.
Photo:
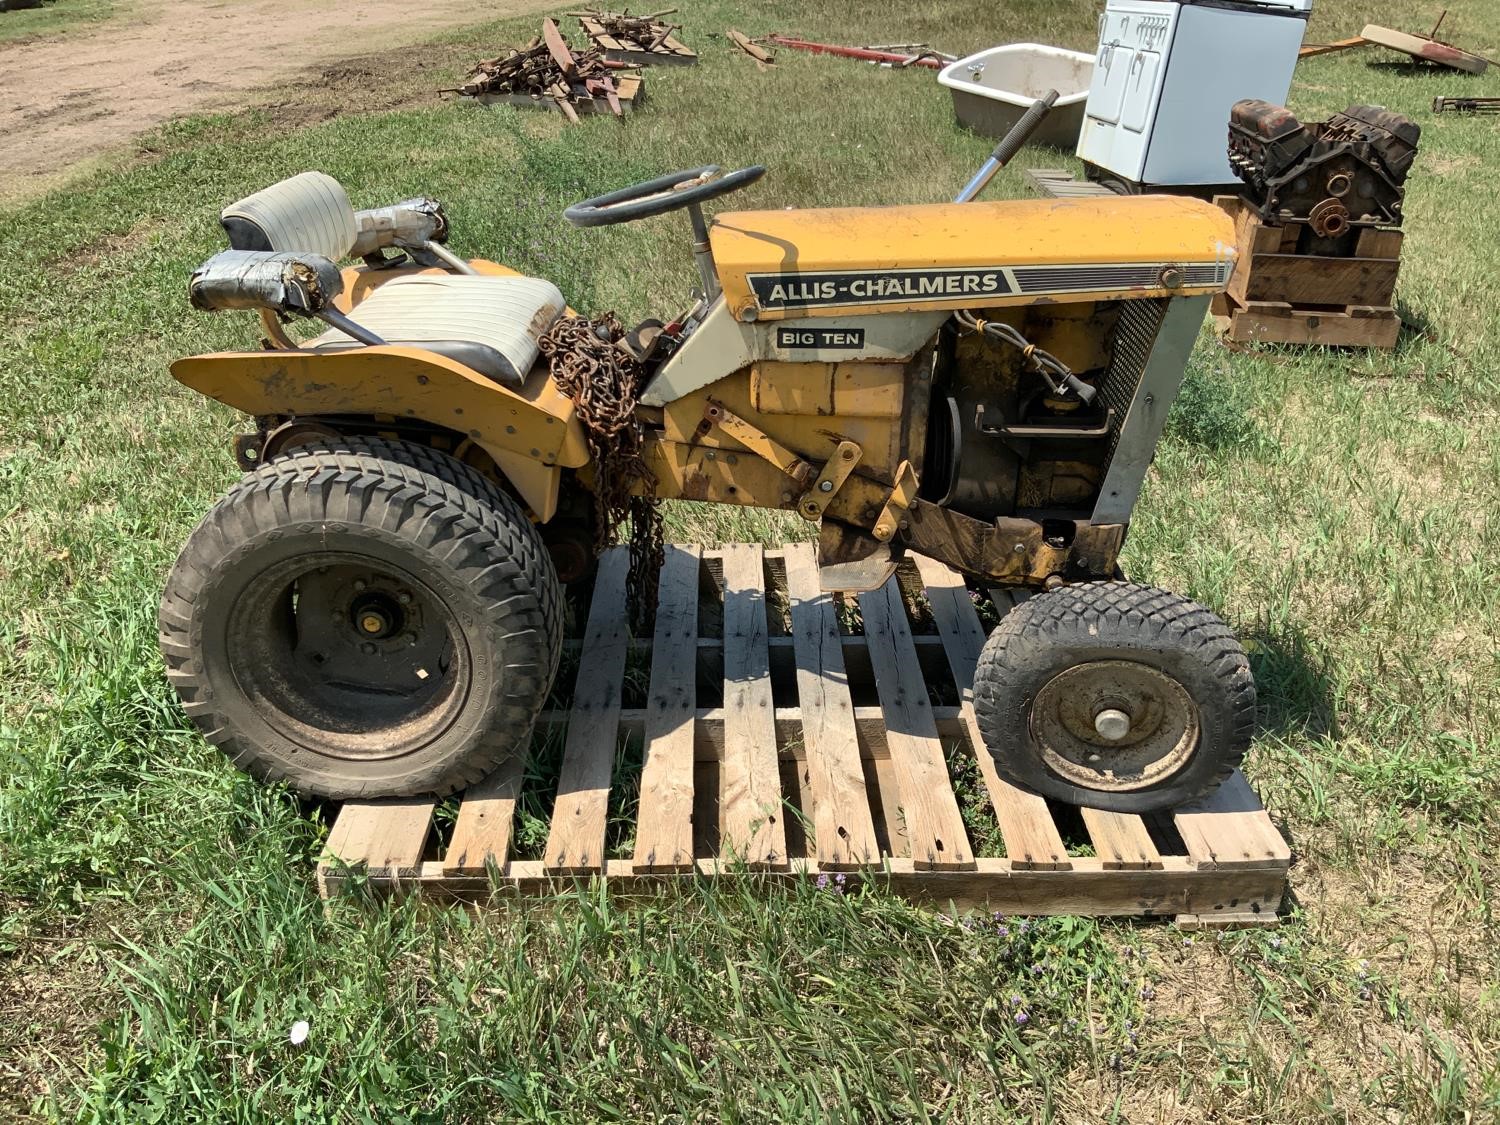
[854,260]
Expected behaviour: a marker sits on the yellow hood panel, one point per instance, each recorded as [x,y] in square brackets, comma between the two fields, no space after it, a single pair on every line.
[851,260]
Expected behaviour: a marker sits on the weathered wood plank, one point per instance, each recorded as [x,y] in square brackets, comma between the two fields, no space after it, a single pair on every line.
[924,789]
[1026,825]
[486,819]
[1310,279]
[993,884]
[575,841]
[1230,828]
[750,808]
[1121,840]
[843,828]
[664,830]
[385,837]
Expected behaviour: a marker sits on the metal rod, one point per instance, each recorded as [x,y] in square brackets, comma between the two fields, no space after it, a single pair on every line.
[449,258]
[864,53]
[330,315]
[1009,145]
[702,254]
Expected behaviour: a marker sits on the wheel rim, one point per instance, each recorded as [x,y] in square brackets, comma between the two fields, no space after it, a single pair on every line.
[349,656]
[1114,725]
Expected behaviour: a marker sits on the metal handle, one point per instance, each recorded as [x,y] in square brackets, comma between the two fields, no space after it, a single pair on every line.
[1009,145]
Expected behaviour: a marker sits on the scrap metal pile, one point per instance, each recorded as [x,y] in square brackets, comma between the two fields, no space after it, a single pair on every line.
[637,40]
[1333,176]
[546,71]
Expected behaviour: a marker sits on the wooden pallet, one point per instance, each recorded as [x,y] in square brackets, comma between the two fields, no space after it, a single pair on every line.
[1058,183]
[1276,295]
[670,52]
[781,741]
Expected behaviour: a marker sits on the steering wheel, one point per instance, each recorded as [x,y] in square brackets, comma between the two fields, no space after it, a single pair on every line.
[658,196]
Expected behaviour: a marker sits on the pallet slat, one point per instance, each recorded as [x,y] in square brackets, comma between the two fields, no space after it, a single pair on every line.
[1231,828]
[384,837]
[486,819]
[929,808]
[576,839]
[1026,825]
[664,833]
[844,833]
[1121,840]
[750,811]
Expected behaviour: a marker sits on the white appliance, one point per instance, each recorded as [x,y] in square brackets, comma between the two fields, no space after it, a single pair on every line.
[1166,74]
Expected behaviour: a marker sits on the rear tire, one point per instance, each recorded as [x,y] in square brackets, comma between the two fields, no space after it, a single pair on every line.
[1115,696]
[364,618]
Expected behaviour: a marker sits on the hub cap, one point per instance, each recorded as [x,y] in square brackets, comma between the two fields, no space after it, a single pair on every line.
[1114,725]
[349,656]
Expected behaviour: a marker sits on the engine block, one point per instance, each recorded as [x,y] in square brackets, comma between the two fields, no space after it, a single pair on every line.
[1331,176]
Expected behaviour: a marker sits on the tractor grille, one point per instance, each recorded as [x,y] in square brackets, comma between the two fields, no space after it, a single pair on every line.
[1134,337]
[1079,279]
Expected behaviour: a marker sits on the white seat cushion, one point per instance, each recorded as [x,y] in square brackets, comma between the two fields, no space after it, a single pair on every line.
[307,214]
[508,314]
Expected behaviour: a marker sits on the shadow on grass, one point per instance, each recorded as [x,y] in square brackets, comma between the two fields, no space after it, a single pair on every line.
[1294,690]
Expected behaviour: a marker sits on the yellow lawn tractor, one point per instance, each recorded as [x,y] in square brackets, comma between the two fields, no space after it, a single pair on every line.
[376,607]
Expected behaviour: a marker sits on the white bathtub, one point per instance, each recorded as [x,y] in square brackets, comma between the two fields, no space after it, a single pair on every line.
[993,88]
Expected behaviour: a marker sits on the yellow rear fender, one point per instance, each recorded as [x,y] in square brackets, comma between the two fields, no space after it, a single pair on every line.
[532,434]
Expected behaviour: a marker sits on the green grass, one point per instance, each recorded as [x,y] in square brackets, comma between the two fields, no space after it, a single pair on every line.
[56,18]
[159,930]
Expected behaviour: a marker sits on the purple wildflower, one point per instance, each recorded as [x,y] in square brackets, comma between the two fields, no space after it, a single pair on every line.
[822,882]
[1021,1018]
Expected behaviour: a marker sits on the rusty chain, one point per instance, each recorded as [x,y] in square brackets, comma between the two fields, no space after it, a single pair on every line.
[591,365]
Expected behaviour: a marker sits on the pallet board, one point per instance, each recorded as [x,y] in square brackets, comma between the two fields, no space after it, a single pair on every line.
[1059,183]
[1276,295]
[784,733]
[669,52]
[629,89]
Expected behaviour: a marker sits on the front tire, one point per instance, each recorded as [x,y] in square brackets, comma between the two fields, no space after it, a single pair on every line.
[364,618]
[1115,696]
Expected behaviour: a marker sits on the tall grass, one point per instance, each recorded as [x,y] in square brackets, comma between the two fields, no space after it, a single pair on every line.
[159,932]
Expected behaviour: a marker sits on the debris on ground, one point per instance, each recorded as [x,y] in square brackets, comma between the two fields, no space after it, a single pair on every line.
[764,59]
[1426,48]
[913,54]
[1308,50]
[1465,105]
[547,73]
[636,40]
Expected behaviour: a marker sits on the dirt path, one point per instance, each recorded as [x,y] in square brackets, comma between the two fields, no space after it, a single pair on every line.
[66,100]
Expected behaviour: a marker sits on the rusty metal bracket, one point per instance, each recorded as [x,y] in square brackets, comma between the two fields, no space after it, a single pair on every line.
[896,506]
[759,442]
[830,480]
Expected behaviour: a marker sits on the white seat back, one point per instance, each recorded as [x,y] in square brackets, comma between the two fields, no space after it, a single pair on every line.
[308,213]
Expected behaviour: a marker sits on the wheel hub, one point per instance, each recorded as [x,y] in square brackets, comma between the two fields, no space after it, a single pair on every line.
[1114,725]
[349,653]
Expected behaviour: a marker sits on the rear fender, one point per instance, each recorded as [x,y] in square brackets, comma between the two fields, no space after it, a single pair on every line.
[532,434]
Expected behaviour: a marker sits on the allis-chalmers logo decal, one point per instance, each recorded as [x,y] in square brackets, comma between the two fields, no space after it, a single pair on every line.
[874,287]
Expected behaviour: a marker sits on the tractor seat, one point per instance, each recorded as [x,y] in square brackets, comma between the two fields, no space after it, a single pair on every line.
[489,324]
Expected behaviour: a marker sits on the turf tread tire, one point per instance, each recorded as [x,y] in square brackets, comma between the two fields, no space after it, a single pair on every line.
[463,520]
[1115,620]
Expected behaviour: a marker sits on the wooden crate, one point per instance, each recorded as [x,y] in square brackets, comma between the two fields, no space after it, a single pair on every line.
[1276,295]
[783,741]
[671,51]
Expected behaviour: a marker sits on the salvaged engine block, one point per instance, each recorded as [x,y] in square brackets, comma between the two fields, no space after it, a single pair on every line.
[1331,176]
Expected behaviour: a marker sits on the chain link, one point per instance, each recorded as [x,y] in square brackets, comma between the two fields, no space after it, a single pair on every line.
[592,366]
